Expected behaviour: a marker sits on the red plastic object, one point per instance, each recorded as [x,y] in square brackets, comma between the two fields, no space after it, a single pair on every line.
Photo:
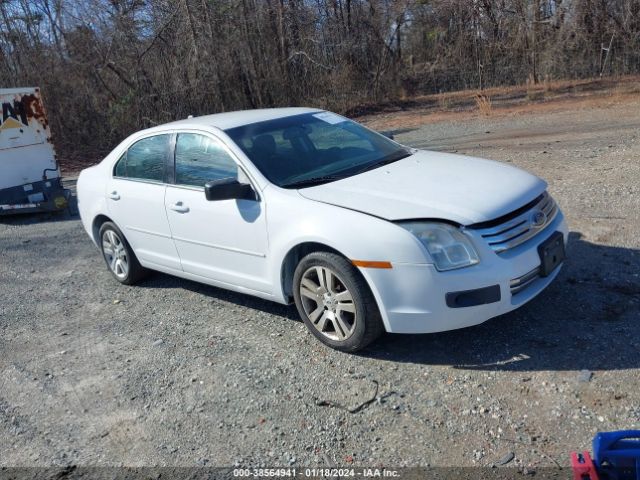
[583,467]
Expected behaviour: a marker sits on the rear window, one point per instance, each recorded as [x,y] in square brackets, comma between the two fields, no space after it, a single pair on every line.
[145,159]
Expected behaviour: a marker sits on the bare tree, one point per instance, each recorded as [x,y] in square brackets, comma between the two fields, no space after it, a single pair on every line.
[109,67]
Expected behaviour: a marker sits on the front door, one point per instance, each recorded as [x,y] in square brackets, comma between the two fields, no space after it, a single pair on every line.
[224,241]
[135,198]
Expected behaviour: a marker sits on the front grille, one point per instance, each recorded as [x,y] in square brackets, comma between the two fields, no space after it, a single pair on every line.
[516,228]
[520,283]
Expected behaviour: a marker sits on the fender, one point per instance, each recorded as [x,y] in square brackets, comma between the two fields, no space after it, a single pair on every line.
[293,220]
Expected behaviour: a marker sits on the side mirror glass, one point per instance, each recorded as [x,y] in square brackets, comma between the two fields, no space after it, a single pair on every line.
[228,189]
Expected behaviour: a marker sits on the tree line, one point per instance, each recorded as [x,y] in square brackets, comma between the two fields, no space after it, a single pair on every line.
[110,67]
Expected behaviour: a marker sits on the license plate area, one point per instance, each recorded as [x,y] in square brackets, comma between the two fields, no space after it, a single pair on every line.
[552,253]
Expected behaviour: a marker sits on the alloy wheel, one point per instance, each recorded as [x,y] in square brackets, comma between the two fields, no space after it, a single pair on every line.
[328,303]
[115,253]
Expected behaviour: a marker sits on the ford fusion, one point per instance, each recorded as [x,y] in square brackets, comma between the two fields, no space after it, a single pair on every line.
[302,205]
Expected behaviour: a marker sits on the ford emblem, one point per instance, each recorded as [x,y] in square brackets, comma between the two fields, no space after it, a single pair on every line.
[538,218]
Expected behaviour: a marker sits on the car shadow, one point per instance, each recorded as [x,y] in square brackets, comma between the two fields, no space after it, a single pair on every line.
[587,319]
[164,281]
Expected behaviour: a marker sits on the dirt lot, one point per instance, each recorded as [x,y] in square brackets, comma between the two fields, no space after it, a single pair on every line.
[175,373]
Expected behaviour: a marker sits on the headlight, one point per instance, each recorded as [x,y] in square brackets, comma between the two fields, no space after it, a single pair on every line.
[448,246]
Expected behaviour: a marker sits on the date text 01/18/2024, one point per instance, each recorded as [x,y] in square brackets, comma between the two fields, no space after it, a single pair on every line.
[315,472]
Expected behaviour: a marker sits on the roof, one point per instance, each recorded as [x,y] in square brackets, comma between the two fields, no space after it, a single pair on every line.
[227,120]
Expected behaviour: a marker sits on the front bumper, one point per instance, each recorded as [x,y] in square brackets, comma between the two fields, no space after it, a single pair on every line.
[413,298]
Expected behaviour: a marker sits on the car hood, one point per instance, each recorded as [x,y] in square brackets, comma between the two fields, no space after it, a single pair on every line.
[434,185]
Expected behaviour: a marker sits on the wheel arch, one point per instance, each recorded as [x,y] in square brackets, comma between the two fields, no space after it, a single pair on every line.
[95,227]
[299,251]
[291,260]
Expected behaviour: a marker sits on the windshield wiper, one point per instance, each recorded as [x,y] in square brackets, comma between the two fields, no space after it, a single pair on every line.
[310,182]
[394,157]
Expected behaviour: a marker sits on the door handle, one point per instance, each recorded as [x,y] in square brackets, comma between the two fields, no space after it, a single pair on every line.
[114,195]
[179,207]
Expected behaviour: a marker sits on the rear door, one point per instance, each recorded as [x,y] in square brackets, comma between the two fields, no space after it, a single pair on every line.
[226,240]
[135,195]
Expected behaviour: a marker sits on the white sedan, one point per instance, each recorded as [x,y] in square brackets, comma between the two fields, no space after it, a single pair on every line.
[302,205]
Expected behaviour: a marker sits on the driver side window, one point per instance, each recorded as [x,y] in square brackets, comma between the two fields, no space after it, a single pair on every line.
[201,159]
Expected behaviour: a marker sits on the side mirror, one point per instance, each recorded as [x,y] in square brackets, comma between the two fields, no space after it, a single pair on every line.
[389,135]
[228,189]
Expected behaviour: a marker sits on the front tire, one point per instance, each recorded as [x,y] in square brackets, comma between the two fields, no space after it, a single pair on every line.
[119,256]
[335,302]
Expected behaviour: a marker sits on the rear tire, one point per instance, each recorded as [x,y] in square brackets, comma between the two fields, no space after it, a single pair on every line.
[335,302]
[119,256]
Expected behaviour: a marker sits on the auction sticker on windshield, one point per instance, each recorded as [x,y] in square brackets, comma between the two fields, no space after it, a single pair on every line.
[330,117]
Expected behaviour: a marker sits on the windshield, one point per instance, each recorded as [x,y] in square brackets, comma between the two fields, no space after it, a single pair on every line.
[313,148]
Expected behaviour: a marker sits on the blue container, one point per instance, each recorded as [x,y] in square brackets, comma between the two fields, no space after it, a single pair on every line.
[617,455]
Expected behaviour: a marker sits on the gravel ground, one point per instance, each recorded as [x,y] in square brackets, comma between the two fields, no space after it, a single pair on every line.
[171,372]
